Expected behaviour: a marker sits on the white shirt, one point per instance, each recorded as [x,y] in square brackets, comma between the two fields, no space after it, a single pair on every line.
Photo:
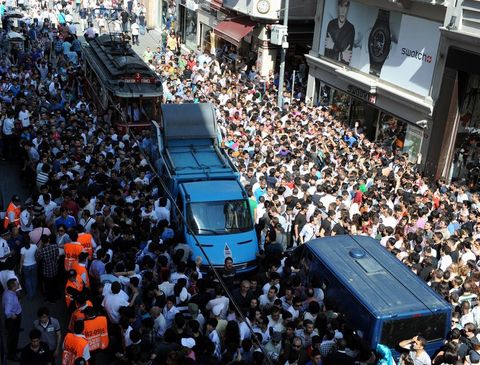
[162,213]
[445,262]
[169,315]
[4,249]
[221,300]
[422,359]
[24,117]
[135,28]
[29,255]
[8,126]
[390,222]
[213,336]
[49,209]
[160,325]
[26,224]
[112,303]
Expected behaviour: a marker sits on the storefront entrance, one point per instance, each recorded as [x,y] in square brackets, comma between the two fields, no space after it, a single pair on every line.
[188,27]
[378,125]
[465,163]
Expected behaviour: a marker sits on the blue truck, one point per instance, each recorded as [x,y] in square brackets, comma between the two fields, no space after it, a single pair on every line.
[213,205]
[380,296]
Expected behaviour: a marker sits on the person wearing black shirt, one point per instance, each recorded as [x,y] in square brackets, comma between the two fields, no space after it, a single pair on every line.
[340,35]
[36,352]
[299,222]
[243,295]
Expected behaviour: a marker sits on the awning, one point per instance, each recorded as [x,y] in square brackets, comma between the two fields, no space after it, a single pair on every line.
[216,4]
[234,30]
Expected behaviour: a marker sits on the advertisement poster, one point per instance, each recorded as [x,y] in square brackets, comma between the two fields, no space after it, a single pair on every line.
[397,48]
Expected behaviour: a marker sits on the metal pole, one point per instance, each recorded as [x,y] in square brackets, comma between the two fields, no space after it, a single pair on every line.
[293,88]
[281,76]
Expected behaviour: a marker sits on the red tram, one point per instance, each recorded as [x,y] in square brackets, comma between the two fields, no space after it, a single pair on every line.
[120,83]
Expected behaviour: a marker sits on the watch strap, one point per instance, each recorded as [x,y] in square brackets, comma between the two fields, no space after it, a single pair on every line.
[383,16]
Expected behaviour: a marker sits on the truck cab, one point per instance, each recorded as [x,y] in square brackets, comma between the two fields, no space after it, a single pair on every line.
[213,215]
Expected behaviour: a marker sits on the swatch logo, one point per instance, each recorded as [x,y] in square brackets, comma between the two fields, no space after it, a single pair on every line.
[417,54]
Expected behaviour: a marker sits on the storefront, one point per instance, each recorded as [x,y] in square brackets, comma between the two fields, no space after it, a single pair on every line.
[357,109]
[380,64]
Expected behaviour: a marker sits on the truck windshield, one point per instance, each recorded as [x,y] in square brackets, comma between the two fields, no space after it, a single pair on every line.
[431,327]
[219,218]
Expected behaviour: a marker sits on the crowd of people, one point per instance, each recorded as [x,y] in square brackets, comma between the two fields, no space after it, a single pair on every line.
[97,231]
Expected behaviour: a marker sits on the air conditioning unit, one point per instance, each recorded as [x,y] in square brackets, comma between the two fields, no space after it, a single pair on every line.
[265,9]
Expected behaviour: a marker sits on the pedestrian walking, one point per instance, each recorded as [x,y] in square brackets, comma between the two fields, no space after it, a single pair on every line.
[135,28]
[12,311]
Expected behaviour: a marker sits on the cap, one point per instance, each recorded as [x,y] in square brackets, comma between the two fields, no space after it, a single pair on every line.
[188,342]
[16,198]
[193,309]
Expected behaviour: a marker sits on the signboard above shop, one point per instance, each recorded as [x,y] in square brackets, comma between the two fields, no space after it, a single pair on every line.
[397,48]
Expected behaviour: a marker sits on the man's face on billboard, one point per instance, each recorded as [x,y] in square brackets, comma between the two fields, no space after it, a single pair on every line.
[342,11]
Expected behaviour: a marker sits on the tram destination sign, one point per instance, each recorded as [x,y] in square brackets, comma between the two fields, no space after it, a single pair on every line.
[137,80]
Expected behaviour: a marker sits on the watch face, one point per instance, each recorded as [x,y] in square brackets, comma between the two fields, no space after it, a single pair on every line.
[378,42]
[263,6]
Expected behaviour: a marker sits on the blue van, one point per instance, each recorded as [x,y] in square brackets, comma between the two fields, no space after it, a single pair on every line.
[378,294]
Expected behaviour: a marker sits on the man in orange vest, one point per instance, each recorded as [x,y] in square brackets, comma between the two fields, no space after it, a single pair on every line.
[96,331]
[81,268]
[81,302]
[12,215]
[75,345]
[72,251]
[86,240]
[73,288]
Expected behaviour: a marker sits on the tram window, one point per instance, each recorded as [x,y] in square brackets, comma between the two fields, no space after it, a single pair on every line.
[147,105]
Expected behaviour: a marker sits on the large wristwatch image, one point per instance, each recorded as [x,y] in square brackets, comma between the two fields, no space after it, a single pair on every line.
[379,42]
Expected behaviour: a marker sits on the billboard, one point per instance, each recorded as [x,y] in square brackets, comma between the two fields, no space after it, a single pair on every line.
[395,47]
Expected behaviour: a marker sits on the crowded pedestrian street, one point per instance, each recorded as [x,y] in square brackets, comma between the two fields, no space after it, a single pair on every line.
[95,265]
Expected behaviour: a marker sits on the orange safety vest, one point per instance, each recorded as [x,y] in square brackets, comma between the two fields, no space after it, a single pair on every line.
[85,240]
[96,333]
[78,315]
[72,251]
[16,211]
[80,269]
[73,348]
[77,285]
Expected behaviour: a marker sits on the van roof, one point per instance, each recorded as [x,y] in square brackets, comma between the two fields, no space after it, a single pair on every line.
[381,282]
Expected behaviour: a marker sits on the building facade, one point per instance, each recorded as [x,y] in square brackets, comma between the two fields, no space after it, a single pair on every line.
[376,61]
[406,72]
[237,29]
